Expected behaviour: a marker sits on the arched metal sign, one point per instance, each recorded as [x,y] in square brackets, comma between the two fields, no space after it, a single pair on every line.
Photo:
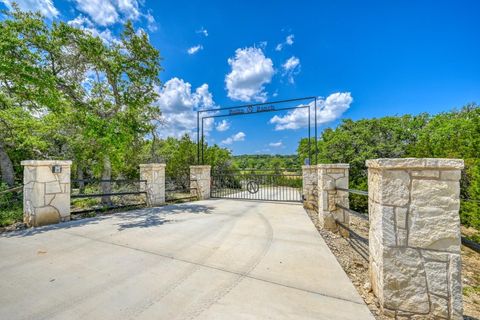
[274,106]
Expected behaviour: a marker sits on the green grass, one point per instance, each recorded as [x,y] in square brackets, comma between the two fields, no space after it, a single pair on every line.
[11,215]
[84,203]
[474,237]
[11,210]
[467,290]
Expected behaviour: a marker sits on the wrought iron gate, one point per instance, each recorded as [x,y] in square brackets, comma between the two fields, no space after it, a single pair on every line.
[268,185]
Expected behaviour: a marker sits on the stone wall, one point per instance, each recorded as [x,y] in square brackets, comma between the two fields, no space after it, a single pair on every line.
[46,195]
[154,174]
[331,177]
[200,182]
[310,190]
[414,236]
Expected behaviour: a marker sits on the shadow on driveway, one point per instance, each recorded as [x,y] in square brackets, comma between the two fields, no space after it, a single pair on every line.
[138,218]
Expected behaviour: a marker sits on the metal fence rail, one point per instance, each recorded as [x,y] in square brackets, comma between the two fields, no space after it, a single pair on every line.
[15,189]
[355,213]
[177,188]
[465,241]
[102,188]
[266,185]
[360,192]
[98,194]
[11,206]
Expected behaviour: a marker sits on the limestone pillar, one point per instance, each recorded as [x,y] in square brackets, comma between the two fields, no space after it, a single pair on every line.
[46,192]
[331,177]
[310,191]
[154,175]
[200,182]
[414,236]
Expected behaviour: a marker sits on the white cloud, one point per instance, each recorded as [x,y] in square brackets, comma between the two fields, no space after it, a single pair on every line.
[263,44]
[291,68]
[291,63]
[195,49]
[251,70]
[328,110]
[108,12]
[202,31]
[179,106]
[129,8]
[84,23]
[45,7]
[151,24]
[102,12]
[276,144]
[223,125]
[288,41]
[240,136]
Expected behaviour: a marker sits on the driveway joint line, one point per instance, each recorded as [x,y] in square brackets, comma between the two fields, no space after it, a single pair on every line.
[245,274]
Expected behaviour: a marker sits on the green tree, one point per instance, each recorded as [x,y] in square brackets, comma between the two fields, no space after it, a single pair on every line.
[28,86]
[180,154]
[117,108]
[354,142]
[98,97]
[456,134]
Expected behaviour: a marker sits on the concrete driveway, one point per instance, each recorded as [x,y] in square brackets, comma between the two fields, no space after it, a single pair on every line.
[213,259]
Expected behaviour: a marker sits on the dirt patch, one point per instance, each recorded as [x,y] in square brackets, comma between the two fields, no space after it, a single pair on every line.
[352,254]
[471,282]
[13,227]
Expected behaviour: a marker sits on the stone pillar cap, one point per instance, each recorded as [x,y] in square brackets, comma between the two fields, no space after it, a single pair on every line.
[415,163]
[46,162]
[153,165]
[333,165]
[200,166]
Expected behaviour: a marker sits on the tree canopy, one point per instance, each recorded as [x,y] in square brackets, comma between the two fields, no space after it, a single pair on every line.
[454,134]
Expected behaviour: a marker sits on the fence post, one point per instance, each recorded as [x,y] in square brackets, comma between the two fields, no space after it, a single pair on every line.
[330,177]
[309,185]
[46,191]
[200,181]
[414,236]
[154,174]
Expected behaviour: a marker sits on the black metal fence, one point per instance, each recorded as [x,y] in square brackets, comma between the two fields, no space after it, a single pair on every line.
[177,188]
[360,215]
[96,195]
[11,201]
[359,238]
[358,225]
[266,185]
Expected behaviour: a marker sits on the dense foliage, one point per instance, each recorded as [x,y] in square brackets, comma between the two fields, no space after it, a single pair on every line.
[265,161]
[454,134]
[66,94]
[11,203]
[179,154]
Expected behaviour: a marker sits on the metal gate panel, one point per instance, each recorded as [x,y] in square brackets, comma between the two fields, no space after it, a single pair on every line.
[263,185]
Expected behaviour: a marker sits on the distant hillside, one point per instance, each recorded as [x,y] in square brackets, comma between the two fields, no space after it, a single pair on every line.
[266,161]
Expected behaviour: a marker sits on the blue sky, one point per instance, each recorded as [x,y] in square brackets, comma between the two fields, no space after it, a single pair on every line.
[366,59]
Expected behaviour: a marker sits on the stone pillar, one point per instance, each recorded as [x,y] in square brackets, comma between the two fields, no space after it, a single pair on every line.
[154,174]
[200,182]
[310,191]
[414,236]
[330,177]
[46,192]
